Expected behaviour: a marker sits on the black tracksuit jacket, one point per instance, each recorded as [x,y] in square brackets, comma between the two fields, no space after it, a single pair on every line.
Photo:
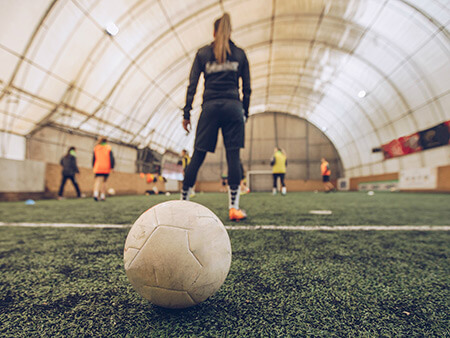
[221,80]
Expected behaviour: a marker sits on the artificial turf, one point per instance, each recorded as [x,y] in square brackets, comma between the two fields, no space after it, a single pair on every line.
[71,282]
[348,208]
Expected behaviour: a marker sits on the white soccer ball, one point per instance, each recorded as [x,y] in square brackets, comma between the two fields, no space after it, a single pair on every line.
[177,254]
[370,193]
[111,191]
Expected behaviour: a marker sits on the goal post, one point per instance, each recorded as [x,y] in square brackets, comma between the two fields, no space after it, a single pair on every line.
[259,180]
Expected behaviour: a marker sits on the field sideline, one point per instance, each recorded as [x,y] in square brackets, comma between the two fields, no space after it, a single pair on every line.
[70,281]
[254,227]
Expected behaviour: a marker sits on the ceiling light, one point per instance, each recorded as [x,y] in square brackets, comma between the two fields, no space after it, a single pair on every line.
[111,29]
[362,94]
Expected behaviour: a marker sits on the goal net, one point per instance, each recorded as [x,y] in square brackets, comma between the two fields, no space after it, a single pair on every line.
[259,180]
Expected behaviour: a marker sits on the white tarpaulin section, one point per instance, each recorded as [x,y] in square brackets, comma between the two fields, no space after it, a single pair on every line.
[310,58]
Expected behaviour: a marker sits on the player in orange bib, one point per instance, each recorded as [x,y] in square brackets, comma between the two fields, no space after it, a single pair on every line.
[326,172]
[103,163]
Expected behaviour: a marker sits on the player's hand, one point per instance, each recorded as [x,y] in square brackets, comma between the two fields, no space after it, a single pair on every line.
[187,125]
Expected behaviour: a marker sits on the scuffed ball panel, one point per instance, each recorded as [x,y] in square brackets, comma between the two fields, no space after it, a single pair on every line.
[173,299]
[215,255]
[128,256]
[182,214]
[138,235]
[141,229]
[165,261]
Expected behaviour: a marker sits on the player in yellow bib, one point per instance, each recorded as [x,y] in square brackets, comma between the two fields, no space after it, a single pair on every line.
[279,164]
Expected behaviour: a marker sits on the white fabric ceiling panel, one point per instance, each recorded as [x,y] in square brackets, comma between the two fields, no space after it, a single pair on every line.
[257,56]
[435,66]
[405,126]
[75,52]
[143,24]
[180,10]
[305,6]
[70,119]
[378,53]
[177,77]
[363,150]
[93,126]
[366,12]
[336,33]
[414,90]
[425,117]
[52,38]
[387,133]
[373,140]
[399,24]
[85,101]
[108,67]
[300,27]
[438,11]
[392,104]
[22,127]
[53,89]
[8,63]
[245,12]
[166,52]
[198,30]
[259,76]
[444,102]
[30,78]
[135,85]
[363,124]
[252,35]
[353,158]
[19,20]
[104,12]
[295,51]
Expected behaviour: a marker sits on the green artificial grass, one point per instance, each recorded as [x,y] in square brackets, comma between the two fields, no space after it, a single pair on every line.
[349,208]
[71,282]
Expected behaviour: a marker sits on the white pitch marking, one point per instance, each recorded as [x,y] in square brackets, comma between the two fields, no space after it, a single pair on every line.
[260,227]
[65,225]
[320,212]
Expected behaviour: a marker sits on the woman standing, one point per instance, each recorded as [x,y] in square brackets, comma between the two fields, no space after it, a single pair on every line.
[70,169]
[223,64]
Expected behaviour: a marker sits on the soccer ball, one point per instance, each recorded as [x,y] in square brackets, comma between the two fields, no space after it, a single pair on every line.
[177,254]
[111,191]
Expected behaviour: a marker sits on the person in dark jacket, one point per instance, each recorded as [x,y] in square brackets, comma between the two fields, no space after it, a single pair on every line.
[70,169]
[223,64]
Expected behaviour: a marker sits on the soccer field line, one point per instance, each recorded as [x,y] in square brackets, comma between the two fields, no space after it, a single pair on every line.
[256,227]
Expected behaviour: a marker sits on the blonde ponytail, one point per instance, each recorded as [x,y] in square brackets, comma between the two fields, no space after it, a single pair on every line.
[222,33]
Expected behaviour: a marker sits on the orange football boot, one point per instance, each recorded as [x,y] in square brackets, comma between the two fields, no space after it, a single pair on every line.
[237,215]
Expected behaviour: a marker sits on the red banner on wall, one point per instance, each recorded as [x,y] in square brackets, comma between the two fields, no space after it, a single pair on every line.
[436,136]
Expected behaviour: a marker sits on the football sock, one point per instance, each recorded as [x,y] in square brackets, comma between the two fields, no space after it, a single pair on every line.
[233,197]
[185,193]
